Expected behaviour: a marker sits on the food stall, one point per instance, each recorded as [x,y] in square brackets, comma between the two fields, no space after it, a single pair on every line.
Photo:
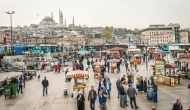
[79,82]
[168,79]
[103,53]
[160,72]
[117,50]
[152,49]
[113,65]
[97,68]
[185,59]
[137,58]
[161,55]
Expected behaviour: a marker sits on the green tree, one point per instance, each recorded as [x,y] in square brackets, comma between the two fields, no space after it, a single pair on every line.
[136,31]
[108,33]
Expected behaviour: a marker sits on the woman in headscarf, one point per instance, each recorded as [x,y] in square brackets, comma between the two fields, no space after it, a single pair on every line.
[80,101]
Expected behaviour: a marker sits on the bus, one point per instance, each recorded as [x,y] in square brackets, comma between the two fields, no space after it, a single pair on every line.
[45,48]
[165,47]
[18,49]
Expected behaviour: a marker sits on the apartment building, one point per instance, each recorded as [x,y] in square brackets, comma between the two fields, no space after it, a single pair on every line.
[161,34]
[184,36]
[4,38]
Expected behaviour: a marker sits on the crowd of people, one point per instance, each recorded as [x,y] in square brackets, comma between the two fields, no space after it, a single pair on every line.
[101,92]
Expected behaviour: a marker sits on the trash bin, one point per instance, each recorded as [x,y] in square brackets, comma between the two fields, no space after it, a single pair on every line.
[7,91]
[14,89]
[65,91]
[149,92]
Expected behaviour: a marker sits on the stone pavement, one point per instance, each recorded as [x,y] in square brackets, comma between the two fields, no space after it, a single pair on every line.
[32,98]
[4,75]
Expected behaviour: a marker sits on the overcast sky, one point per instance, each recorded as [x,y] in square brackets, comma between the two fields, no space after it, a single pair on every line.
[118,13]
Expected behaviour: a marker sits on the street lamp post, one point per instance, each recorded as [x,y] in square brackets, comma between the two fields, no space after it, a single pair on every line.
[11,13]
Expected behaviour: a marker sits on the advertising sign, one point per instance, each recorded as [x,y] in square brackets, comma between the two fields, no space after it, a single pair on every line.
[160,67]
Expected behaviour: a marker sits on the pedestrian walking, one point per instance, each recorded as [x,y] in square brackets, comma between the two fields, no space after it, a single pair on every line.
[125,96]
[24,78]
[20,85]
[45,84]
[92,95]
[122,95]
[118,85]
[145,85]
[177,105]
[80,101]
[100,84]
[102,100]
[131,92]
[108,87]
[38,74]
[88,63]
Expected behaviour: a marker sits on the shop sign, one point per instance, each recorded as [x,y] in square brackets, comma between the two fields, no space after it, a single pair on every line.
[160,62]
[160,69]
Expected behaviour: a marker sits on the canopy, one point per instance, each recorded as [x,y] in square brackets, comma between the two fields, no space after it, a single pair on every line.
[137,55]
[77,73]
[170,65]
[184,58]
[98,64]
[113,60]
[116,49]
[162,52]
[104,51]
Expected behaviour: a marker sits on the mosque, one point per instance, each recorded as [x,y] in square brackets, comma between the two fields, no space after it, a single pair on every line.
[49,22]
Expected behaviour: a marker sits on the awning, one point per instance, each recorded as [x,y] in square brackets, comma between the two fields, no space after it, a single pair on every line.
[170,65]
[116,49]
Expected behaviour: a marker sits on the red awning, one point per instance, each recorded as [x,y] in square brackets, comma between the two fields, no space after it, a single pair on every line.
[170,65]
[185,56]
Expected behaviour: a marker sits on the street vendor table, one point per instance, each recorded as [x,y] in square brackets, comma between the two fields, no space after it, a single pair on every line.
[176,77]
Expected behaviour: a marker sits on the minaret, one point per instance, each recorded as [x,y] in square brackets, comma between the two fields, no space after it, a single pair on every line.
[65,23]
[52,15]
[73,22]
[59,16]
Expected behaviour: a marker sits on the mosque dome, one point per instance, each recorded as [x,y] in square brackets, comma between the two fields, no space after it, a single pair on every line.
[47,22]
[48,19]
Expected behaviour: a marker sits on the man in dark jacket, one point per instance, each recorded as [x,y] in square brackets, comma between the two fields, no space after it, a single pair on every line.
[92,97]
[177,105]
[45,84]
[118,85]
[122,94]
[131,92]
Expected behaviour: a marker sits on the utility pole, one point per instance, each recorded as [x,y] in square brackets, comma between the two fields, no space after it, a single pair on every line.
[146,47]
[11,13]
